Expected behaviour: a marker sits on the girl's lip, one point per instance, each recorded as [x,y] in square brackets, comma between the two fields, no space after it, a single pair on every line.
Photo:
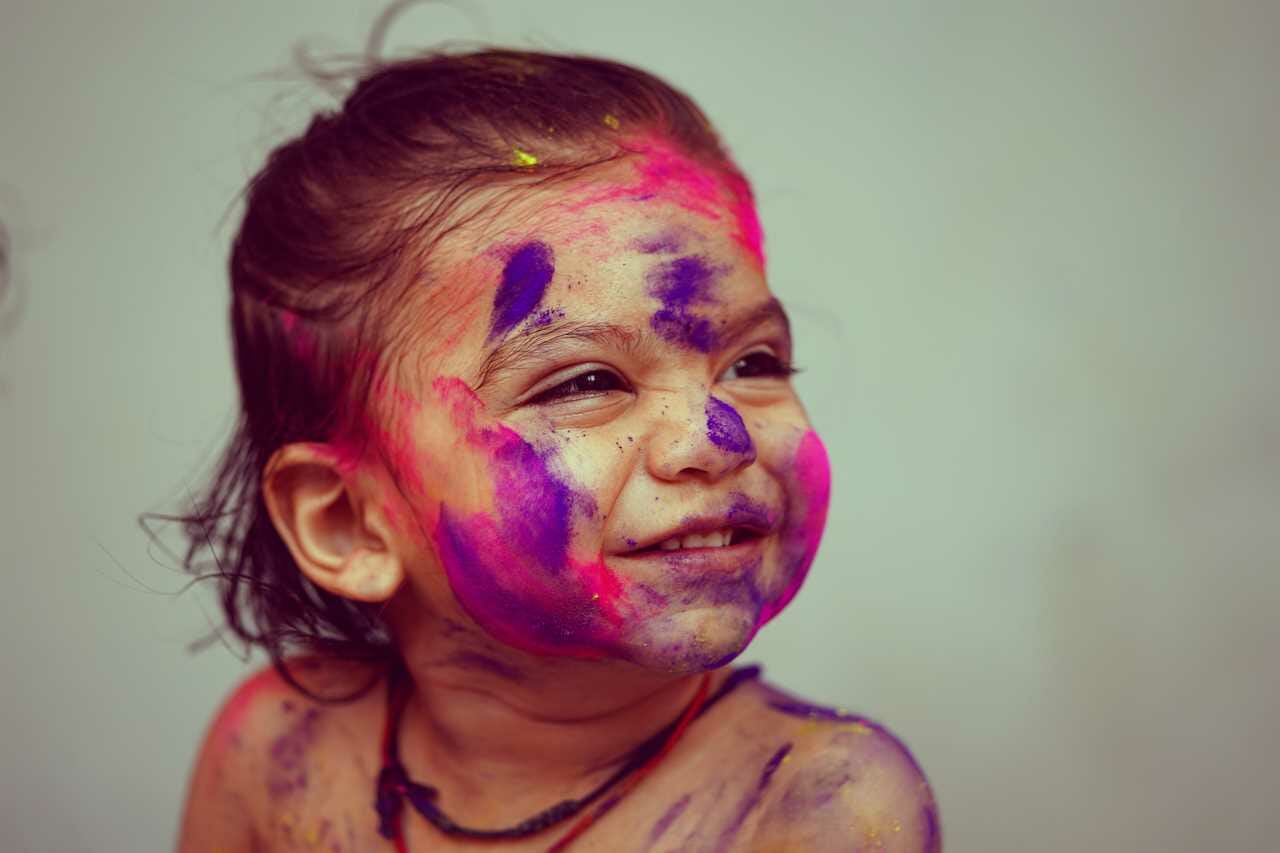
[726,558]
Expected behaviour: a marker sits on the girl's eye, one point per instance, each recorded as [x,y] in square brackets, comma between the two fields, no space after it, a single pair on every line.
[582,385]
[759,364]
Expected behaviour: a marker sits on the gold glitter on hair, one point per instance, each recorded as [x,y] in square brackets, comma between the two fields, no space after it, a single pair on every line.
[520,157]
[611,120]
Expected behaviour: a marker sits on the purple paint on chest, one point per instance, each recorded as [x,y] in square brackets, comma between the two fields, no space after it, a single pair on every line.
[669,817]
[751,799]
[725,427]
[681,284]
[524,281]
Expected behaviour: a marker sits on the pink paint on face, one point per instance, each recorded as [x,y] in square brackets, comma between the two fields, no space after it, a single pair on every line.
[511,569]
[664,171]
[810,495]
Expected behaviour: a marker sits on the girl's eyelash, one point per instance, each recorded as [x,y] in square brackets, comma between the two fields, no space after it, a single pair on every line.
[762,363]
[601,380]
[595,381]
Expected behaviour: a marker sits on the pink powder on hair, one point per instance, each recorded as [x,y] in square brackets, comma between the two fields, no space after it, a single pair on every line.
[665,172]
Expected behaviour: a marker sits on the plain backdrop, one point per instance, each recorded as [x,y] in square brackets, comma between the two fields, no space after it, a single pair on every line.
[1030,252]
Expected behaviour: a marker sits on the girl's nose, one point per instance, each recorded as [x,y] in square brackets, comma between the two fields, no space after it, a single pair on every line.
[706,438]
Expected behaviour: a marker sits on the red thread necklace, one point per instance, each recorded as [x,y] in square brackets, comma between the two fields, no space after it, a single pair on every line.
[394,786]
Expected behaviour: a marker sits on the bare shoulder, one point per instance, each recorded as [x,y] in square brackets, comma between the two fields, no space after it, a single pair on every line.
[263,756]
[842,781]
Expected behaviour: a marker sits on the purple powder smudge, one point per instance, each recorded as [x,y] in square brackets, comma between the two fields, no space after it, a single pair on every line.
[669,817]
[288,772]
[725,427]
[680,284]
[752,798]
[545,317]
[666,242]
[817,712]
[474,660]
[524,280]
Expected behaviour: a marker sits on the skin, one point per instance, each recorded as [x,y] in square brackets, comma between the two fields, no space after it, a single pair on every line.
[611,366]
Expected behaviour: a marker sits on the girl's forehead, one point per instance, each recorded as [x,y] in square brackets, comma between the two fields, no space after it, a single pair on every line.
[623,261]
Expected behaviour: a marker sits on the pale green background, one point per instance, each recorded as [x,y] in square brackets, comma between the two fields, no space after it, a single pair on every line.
[1030,252]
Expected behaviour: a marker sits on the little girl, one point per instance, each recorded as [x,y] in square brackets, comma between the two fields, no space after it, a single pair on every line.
[520,471]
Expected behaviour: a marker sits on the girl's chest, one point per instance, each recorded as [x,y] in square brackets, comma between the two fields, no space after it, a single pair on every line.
[324,801]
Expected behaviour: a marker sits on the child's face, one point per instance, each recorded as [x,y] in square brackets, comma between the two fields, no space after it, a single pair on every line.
[601,379]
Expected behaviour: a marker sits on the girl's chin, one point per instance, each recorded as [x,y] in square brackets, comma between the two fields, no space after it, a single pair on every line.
[688,641]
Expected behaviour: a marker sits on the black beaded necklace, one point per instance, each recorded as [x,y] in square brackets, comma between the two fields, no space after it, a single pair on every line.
[394,785]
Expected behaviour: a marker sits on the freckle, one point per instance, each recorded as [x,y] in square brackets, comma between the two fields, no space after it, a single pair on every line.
[287,705]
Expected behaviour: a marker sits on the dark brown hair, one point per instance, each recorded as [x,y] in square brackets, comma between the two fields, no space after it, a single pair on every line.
[337,225]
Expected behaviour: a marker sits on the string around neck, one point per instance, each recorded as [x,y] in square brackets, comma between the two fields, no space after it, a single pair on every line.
[394,786]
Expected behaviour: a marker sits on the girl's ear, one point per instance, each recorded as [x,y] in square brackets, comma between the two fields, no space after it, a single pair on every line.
[331,524]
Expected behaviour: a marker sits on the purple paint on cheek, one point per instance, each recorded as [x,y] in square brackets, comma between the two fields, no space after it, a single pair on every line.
[680,284]
[669,817]
[743,510]
[524,280]
[538,523]
[511,569]
[725,427]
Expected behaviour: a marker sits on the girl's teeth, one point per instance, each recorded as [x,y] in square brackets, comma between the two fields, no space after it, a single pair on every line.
[715,539]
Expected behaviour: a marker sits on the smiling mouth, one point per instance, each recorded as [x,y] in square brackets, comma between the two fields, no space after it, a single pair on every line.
[723,538]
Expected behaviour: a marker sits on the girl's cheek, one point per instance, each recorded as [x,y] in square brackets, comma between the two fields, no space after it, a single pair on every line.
[808,479]
[508,558]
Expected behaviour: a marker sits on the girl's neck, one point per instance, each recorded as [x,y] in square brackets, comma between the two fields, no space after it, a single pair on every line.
[502,735]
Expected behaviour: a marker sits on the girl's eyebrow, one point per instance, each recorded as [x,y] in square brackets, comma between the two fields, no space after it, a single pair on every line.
[532,345]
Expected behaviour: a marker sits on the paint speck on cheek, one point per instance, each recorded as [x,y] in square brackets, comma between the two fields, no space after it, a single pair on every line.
[524,280]
[725,427]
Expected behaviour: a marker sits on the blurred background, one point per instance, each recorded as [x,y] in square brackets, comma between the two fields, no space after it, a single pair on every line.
[1029,250]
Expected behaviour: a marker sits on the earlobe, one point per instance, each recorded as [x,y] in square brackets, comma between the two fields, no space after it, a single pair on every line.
[330,526]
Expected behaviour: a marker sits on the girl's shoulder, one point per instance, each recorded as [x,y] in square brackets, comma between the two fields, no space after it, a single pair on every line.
[821,777]
[268,754]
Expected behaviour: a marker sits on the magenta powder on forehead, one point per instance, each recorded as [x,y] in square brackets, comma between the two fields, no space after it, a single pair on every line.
[524,280]
[725,427]
[681,284]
